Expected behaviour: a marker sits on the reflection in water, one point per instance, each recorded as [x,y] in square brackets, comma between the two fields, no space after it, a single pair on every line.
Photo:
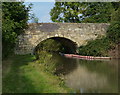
[64,65]
[88,76]
[81,79]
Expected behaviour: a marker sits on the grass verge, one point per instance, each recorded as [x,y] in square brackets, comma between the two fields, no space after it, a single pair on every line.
[23,75]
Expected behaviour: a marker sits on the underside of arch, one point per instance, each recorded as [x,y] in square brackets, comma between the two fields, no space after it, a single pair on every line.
[68,44]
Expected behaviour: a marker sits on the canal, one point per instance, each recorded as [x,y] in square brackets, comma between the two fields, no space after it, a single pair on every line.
[88,76]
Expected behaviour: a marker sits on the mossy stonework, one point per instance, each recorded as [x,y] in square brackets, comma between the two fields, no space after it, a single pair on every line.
[79,33]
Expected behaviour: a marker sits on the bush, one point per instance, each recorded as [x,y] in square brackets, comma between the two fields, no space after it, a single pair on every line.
[113,32]
[96,47]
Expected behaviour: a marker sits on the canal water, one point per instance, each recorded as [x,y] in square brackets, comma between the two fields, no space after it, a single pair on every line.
[88,76]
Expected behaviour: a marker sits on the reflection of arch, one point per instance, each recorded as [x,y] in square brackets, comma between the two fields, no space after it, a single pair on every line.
[64,65]
[67,42]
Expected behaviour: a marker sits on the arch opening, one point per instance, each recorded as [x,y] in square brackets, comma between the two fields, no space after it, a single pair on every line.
[63,45]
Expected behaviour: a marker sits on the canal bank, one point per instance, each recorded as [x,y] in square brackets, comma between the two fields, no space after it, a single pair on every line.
[57,74]
[21,74]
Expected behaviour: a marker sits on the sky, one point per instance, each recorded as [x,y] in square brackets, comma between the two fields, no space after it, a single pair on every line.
[41,10]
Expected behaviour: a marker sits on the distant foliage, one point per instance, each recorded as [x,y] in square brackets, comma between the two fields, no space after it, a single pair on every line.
[116,13]
[92,12]
[14,21]
[34,18]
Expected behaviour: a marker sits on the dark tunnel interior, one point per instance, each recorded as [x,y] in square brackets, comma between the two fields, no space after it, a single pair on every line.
[69,45]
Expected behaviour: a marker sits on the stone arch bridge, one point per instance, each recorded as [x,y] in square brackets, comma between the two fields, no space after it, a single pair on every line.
[76,33]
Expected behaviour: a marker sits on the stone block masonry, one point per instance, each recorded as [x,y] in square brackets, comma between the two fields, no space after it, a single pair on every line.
[79,33]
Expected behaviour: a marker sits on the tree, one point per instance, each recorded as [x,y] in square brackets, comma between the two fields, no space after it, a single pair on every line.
[113,32]
[14,21]
[116,13]
[34,19]
[82,12]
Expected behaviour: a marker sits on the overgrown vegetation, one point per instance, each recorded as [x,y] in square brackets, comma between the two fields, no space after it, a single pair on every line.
[28,76]
[113,32]
[45,52]
[14,21]
[96,47]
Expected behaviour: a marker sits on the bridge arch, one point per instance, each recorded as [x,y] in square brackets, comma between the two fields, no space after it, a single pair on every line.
[56,36]
[67,43]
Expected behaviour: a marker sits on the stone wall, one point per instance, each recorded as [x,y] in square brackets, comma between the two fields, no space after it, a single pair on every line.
[80,33]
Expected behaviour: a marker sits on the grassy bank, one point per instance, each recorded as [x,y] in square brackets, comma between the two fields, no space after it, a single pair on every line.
[23,75]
